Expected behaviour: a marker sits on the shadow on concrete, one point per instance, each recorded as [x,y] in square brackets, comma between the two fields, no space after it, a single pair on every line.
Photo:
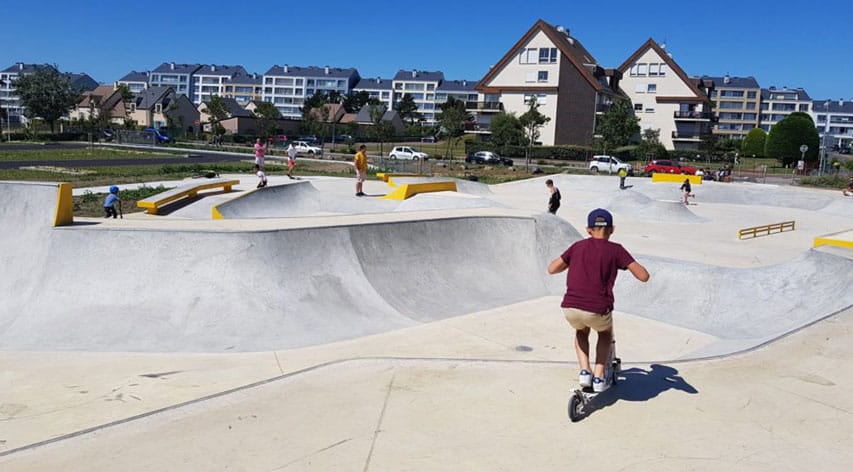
[639,385]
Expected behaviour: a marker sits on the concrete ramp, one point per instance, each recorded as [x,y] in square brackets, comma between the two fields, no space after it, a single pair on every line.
[638,205]
[110,287]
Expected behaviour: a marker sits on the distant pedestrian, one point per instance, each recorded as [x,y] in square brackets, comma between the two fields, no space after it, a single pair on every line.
[849,190]
[623,173]
[685,188]
[110,203]
[262,177]
[554,200]
[260,153]
[291,160]
[360,164]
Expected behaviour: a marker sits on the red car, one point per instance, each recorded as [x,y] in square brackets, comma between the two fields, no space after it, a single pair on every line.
[668,167]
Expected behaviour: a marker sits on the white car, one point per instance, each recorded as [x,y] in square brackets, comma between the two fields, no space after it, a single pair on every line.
[407,152]
[304,148]
[608,164]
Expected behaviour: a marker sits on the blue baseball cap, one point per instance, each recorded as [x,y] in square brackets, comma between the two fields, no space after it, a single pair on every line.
[599,218]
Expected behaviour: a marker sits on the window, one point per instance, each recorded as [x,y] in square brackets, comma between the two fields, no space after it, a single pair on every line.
[530,77]
[662,71]
[642,69]
[527,56]
[638,107]
[540,98]
[158,108]
[430,87]
[548,56]
[653,88]
[804,108]
[750,94]
[543,76]
[650,110]
[640,88]
[653,70]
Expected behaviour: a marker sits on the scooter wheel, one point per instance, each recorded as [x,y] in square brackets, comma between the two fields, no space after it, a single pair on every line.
[575,408]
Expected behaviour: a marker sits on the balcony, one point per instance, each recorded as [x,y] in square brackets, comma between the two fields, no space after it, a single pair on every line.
[686,136]
[602,107]
[693,115]
[496,107]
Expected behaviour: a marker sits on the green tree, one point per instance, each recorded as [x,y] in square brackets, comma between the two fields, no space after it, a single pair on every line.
[408,109]
[532,120]
[753,143]
[46,94]
[267,115]
[217,112]
[618,126]
[786,137]
[381,130]
[354,101]
[451,120]
[506,130]
[650,147]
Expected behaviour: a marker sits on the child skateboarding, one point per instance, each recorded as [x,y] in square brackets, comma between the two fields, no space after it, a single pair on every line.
[685,189]
[592,266]
[262,177]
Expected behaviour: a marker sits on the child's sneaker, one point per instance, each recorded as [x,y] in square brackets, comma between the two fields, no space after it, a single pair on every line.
[585,379]
[599,385]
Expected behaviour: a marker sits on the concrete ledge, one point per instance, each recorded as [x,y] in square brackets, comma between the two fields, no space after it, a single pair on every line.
[153,204]
[408,190]
[677,178]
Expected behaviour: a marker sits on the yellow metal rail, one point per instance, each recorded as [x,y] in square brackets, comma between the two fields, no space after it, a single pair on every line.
[764,230]
[677,178]
[405,191]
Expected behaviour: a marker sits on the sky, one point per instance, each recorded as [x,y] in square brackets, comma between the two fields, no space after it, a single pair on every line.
[781,43]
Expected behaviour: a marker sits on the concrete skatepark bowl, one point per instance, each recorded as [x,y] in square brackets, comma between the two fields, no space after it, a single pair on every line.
[335,285]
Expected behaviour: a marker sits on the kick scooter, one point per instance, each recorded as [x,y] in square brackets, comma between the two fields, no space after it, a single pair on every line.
[582,397]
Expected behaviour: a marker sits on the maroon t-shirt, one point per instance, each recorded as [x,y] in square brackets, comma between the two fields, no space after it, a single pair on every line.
[592,272]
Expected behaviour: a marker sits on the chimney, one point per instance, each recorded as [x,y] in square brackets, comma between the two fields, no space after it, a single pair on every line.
[841,102]
[326,69]
[172,65]
[378,80]
[286,68]
[464,83]
[414,73]
[727,79]
[20,66]
[213,68]
[254,75]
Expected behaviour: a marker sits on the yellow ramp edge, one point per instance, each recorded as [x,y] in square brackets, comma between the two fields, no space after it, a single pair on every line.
[679,178]
[153,203]
[408,190]
[840,239]
[64,215]
[388,177]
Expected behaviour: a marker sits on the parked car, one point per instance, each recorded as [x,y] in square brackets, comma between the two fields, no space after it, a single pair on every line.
[407,152]
[304,148]
[343,138]
[107,134]
[609,164]
[488,157]
[150,134]
[428,139]
[311,140]
[668,167]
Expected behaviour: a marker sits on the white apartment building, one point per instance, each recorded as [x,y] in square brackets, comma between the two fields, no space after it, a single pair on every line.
[135,81]
[210,79]
[9,100]
[422,86]
[665,98]
[377,89]
[777,104]
[287,87]
[177,76]
[834,121]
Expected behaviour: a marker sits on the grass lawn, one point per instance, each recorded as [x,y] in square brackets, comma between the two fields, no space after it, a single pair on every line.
[71,154]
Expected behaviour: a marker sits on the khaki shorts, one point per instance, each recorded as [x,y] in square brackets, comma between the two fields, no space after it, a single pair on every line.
[360,176]
[580,319]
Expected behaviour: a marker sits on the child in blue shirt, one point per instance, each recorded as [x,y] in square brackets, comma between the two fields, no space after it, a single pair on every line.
[110,203]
